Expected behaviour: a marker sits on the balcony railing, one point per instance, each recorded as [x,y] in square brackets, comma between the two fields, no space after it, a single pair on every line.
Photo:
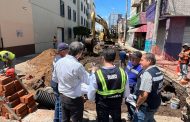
[138,19]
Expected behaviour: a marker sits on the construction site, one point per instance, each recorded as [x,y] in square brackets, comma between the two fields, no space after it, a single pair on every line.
[29,96]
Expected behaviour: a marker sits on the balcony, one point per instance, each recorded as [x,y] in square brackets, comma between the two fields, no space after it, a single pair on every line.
[138,19]
[136,3]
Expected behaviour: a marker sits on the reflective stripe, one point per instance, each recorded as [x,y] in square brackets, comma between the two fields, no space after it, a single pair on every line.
[158,78]
[128,67]
[102,80]
[104,86]
[135,71]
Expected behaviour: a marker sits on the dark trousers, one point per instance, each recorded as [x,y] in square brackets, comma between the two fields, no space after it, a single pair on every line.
[130,112]
[72,108]
[103,112]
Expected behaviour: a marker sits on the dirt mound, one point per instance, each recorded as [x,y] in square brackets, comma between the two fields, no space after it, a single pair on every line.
[38,68]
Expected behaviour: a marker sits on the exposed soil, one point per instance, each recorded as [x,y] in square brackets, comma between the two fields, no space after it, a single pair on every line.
[34,69]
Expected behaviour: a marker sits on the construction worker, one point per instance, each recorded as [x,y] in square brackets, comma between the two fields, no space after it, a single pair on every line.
[184,58]
[107,87]
[148,90]
[62,51]
[69,73]
[133,70]
[122,57]
[7,57]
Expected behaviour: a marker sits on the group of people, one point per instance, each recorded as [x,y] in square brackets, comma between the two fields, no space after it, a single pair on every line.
[140,82]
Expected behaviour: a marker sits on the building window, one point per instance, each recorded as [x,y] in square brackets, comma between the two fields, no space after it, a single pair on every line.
[87,25]
[69,12]
[84,22]
[74,16]
[81,6]
[84,9]
[81,20]
[69,33]
[138,9]
[74,1]
[62,8]
[145,5]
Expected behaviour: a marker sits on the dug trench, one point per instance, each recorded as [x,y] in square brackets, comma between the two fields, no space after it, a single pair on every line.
[37,72]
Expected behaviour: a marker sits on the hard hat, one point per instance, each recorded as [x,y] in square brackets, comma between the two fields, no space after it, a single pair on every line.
[10,72]
[186,44]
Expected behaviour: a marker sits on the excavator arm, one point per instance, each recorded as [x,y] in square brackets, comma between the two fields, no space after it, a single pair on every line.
[100,21]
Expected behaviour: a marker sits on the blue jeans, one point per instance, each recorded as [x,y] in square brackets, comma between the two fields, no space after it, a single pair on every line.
[144,114]
[58,105]
[58,109]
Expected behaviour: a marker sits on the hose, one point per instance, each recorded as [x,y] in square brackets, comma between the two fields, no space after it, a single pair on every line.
[45,99]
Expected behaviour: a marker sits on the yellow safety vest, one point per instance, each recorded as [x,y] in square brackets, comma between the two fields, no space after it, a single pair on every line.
[6,55]
[107,92]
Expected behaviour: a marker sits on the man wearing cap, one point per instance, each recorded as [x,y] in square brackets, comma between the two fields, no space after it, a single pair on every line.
[62,51]
[133,70]
[69,73]
[184,58]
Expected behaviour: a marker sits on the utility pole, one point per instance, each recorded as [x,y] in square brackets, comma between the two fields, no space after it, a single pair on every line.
[126,25]
[156,22]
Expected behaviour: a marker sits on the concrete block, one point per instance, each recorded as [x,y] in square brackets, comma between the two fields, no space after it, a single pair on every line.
[14,103]
[8,92]
[12,97]
[34,108]
[24,113]
[18,86]
[22,93]
[9,86]
[5,80]
[20,108]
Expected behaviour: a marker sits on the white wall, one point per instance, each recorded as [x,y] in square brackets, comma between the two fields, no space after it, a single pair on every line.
[46,18]
[16,22]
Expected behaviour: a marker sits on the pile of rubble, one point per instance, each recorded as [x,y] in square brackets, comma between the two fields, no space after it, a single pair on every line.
[15,101]
[37,72]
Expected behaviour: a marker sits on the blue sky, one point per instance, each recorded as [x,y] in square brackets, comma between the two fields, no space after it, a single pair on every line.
[105,7]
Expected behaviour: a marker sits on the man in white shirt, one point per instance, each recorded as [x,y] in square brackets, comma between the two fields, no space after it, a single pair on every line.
[70,73]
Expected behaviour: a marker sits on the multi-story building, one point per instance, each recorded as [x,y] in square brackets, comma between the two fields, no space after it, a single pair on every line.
[31,24]
[174,26]
[137,24]
[113,20]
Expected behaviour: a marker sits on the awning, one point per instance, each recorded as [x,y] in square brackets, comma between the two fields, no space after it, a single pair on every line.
[140,29]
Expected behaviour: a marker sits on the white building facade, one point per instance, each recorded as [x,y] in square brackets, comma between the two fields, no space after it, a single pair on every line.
[35,22]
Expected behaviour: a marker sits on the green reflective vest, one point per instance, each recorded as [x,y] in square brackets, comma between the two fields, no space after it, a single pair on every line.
[6,55]
[105,91]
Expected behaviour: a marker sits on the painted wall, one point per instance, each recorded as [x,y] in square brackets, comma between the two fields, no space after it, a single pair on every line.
[161,35]
[175,36]
[16,23]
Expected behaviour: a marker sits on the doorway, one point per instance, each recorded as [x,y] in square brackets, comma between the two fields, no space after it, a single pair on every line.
[60,35]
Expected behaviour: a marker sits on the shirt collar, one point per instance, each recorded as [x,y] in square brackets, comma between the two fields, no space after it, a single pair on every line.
[72,57]
[150,67]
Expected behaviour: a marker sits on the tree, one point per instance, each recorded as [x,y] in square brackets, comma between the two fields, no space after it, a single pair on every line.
[81,31]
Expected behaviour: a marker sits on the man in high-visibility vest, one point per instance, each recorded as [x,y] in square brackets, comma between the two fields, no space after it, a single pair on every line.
[7,57]
[107,87]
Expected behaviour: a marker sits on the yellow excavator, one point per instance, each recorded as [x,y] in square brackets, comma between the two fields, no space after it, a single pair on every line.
[94,44]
